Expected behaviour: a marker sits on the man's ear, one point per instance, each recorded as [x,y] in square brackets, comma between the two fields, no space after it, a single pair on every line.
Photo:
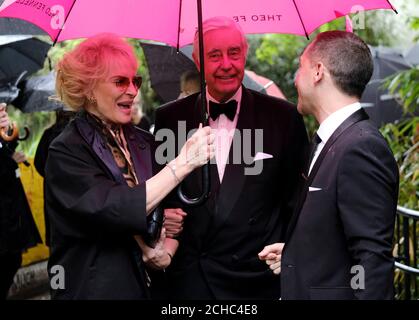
[196,60]
[318,72]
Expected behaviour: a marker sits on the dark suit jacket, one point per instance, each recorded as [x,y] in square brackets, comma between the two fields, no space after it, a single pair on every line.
[348,222]
[94,214]
[217,257]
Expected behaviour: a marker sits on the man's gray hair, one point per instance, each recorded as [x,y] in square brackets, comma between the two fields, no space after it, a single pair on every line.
[216,23]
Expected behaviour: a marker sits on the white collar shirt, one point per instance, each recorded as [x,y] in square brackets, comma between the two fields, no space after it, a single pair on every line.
[224,129]
[329,126]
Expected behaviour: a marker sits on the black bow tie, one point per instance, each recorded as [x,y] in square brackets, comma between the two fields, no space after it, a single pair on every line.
[229,109]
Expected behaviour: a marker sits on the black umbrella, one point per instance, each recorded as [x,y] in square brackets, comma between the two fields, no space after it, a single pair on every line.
[36,94]
[18,54]
[10,91]
[380,105]
[166,66]
[12,26]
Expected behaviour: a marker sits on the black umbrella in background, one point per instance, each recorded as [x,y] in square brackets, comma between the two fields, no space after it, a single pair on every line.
[12,26]
[166,66]
[380,105]
[18,54]
[36,94]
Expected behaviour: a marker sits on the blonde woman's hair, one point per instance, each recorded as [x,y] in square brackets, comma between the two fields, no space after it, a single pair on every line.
[80,69]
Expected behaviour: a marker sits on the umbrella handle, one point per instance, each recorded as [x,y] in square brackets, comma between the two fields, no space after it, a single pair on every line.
[10,134]
[26,136]
[205,169]
[205,190]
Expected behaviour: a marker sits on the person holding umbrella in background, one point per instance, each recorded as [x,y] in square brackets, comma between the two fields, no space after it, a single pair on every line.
[190,83]
[18,230]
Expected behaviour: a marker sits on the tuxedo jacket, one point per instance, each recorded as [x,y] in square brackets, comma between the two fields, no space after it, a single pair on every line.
[94,214]
[218,253]
[339,243]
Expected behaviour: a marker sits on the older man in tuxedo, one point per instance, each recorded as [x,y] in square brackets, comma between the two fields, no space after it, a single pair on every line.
[339,242]
[250,200]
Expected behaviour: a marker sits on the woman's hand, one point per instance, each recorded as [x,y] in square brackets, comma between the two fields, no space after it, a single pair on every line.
[198,149]
[173,222]
[158,257]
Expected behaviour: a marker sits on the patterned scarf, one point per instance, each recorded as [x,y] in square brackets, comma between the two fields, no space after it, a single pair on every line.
[115,140]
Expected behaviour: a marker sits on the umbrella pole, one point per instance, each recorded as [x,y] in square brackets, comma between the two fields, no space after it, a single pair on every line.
[204,115]
[204,119]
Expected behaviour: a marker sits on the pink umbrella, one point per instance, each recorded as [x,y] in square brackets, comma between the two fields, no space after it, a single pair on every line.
[174,22]
[270,87]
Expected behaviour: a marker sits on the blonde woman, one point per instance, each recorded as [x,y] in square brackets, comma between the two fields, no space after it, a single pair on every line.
[99,178]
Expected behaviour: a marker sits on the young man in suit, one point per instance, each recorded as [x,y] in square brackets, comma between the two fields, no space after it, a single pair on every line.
[339,242]
[250,199]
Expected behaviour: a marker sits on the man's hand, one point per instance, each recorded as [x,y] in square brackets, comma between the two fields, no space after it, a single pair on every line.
[173,222]
[4,118]
[19,157]
[272,256]
[157,257]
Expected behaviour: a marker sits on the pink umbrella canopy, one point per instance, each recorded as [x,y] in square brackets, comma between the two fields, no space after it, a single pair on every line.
[174,22]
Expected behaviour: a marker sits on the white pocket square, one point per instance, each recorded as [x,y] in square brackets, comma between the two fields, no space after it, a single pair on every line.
[261,156]
[313,189]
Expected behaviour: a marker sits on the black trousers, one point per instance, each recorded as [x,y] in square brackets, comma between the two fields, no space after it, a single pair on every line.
[9,264]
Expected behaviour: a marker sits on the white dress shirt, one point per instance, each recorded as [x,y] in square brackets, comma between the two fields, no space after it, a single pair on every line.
[329,126]
[224,129]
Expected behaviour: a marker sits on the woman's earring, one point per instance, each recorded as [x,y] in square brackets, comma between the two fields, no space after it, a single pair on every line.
[92,100]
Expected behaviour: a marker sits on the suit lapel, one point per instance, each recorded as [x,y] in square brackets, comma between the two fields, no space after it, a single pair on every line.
[354,118]
[234,178]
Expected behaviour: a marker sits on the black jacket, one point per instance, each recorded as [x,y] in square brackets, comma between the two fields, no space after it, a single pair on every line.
[41,155]
[348,223]
[217,257]
[94,214]
[18,230]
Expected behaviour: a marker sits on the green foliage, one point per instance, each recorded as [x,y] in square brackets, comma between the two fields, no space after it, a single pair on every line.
[414,24]
[405,85]
[36,122]
[276,57]
[379,28]
[403,139]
